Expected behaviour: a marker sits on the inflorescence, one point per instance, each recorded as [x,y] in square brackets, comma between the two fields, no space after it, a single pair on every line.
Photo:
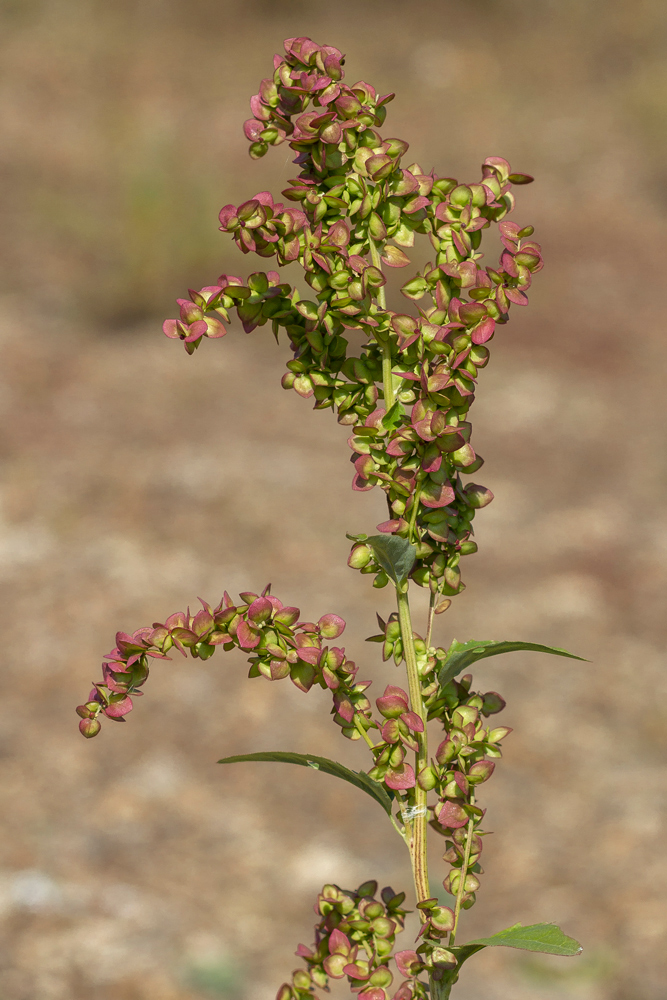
[359,209]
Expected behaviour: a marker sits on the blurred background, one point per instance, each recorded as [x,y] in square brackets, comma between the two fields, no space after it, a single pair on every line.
[135,478]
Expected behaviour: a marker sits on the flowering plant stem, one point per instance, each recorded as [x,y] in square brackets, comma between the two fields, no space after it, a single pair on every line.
[466,863]
[418,842]
[418,850]
[406,402]
[387,378]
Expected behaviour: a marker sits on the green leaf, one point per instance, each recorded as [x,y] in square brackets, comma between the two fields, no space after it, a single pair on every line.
[358,778]
[462,654]
[415,289]
[548,939]
[394,417]
[395,555]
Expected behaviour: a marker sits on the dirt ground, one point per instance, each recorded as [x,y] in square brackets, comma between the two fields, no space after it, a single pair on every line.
[135,478]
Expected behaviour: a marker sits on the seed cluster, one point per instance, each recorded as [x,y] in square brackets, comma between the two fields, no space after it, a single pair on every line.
[354,940]
[463,760]
[360,209]
[280,646]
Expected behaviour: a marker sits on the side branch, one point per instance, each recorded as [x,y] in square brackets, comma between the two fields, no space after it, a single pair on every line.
[280,646]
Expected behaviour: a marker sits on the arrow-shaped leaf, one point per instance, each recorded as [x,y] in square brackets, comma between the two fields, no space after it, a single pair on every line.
[395,555]
[548,939]
[358,778]
[462,654]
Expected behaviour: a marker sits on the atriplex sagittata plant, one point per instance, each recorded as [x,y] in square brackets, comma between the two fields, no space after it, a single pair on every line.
[406,402]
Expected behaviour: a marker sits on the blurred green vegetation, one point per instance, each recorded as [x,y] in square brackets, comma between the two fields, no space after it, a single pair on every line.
[595,969]
[214,978]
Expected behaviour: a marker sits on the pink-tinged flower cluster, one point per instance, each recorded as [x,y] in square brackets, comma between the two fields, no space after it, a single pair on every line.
[463,760]
[194,323]
[265,228]
[360,209]
[310,73]
[354,939]
[398,733]
[279,644]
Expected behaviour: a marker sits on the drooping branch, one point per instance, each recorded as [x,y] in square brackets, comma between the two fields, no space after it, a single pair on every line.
[279,645]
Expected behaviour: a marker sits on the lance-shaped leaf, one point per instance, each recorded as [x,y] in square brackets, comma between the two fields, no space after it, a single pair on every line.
[395,555]
[462,654]
[548,939]
[357,778]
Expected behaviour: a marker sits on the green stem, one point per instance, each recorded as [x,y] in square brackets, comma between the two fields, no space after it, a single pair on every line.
[362,731]
[364,734]
[413,510]
[440,990]
[375,257]
[429,623]
[418,852]
[387,377]
[387,360]
[464,871]
[402,834]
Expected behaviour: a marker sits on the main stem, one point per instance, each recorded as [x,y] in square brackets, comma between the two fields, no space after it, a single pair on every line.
[440,989]
[387,361]
[418,853]
[429,624]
